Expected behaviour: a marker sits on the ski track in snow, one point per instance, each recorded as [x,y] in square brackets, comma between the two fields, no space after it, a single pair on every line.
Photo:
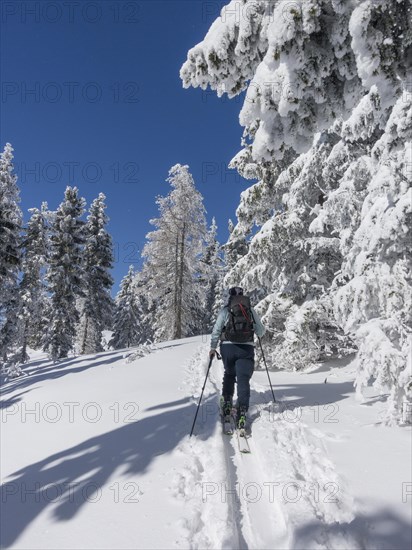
[305,483]
[261,500]
[260,523]
[206,524]
[286,495]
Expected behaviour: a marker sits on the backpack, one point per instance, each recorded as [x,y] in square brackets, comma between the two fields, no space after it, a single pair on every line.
[239,327]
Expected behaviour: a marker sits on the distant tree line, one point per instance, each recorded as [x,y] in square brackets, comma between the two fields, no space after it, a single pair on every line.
[55,281]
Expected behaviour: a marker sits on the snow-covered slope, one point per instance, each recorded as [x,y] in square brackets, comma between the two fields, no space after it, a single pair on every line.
[95,453]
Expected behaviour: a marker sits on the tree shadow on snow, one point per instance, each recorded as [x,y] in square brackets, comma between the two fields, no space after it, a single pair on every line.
[66,480]
[6,403]
[170,404]
[383,530]
[60,369]
[368,401]
[291,396]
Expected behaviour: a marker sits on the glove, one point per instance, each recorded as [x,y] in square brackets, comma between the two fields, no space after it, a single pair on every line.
[214,352]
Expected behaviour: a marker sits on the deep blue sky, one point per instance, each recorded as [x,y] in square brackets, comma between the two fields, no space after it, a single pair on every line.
[91,96]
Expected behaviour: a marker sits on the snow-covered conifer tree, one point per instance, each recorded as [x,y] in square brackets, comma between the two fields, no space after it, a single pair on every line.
[237,244]
[172,256]
[211,275]
[10,252]
[371,211]
[97,303]
[66,278]
[146,308]
[32,290]
[126,326]
[327,135]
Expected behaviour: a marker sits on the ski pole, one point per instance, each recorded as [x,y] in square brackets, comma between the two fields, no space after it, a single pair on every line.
[201,395]
[267,370]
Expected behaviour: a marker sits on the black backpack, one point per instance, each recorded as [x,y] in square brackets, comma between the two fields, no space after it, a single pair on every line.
[239,327]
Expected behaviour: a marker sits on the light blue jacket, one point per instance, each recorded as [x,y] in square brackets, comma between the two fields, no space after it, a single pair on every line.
[220,324]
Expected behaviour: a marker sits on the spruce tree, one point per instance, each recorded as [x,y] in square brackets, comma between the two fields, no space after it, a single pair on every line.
[97,303]
[126,326]
[32,288]
[146,308]
[10,253]
[65,277]
[211,275]
[327,135]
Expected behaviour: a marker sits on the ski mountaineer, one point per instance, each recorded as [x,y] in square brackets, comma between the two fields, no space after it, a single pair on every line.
[235,326]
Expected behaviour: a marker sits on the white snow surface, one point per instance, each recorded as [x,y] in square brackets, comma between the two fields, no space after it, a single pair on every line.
[95,453]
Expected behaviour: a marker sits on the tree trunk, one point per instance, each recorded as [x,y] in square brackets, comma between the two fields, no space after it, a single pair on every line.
[180,285]
[24,356]
[176,288]
[83,348]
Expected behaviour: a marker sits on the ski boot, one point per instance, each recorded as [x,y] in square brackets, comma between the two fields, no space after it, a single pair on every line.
[225,406]
[241,419]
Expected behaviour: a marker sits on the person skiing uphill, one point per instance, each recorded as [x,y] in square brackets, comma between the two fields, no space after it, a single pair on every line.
[235,326]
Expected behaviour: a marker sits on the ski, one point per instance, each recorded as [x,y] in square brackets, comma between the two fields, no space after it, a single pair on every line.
[226,416]
[228,427]
[243,440]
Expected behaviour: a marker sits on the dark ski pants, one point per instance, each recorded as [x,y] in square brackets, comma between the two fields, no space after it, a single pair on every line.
[239,362]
